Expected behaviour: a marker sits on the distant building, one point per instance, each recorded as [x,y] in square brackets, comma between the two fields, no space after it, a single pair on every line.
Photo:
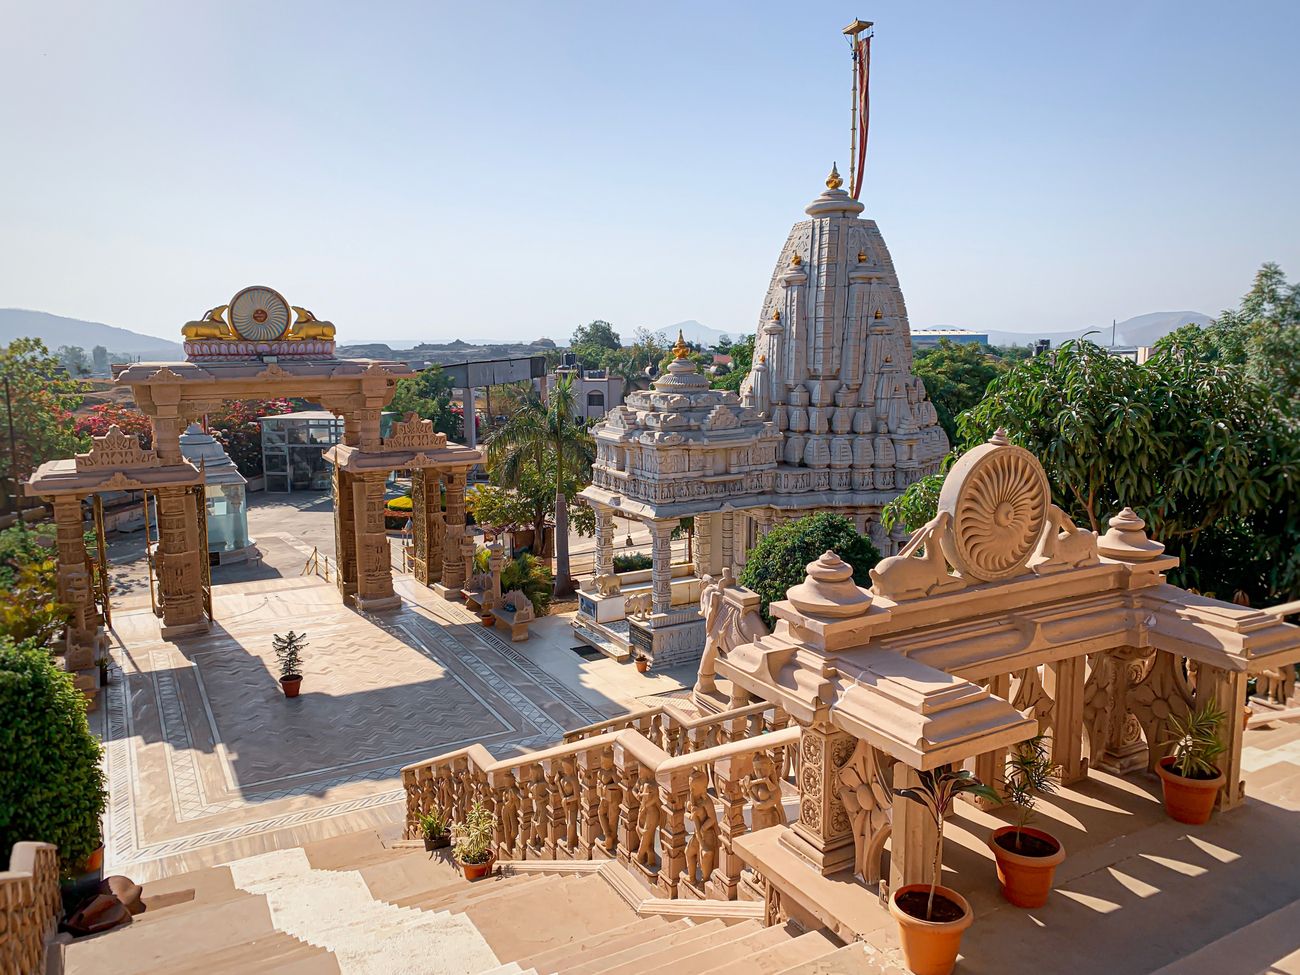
[1135,353]
[925,338]
[595,391]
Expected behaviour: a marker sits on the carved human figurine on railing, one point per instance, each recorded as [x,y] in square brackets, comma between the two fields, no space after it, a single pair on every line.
[702,849]
[648,819]
[610,791]
[509,801]
[536,815]
[764,788]
[566,782]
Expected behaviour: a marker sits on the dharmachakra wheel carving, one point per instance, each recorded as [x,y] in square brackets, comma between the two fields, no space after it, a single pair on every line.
[998,504]
[259,314]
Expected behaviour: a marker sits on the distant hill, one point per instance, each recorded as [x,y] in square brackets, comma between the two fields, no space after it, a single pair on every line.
[55,330]
[693,331]
[1141,330]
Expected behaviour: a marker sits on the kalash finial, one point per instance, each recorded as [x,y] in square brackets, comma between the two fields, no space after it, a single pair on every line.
[833,181]
[681,350]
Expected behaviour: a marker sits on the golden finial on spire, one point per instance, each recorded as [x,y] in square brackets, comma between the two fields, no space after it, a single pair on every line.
[833,181]
[878,315]
[681,350]
[796,260]
[862,257]
[776,315]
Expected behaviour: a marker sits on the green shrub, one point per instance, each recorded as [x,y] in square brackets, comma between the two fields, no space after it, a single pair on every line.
[779,561]
[531,576]
[632,563]
[51,786]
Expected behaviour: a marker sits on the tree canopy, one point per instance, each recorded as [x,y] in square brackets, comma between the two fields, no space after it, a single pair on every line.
[956,376]
[40,403]
[593,340]
[742,360]
[428,395]
[780,558]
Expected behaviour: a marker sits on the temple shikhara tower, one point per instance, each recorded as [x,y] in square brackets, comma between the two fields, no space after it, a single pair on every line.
[829,418]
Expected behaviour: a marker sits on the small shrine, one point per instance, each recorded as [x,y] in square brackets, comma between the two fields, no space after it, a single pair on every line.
[224,495]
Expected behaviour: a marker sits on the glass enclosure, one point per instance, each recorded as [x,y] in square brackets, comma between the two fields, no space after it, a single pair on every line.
[293,445]
[227,518]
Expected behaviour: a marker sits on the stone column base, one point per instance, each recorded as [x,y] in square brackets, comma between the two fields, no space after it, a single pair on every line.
[184,629]
[375,604]
[450,593]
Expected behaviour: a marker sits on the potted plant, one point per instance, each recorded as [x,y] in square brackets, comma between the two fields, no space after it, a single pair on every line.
[436,829]
[642,663]
[288,650]
[473,850]
[1027,857]
[1188,775]
[931,918]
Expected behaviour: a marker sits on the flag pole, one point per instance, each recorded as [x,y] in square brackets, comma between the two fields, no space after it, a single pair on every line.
[851,32]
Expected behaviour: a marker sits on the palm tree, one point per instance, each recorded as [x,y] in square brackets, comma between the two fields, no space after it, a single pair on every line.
[546,436]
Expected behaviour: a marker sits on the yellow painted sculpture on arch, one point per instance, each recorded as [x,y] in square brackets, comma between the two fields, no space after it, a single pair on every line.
[258,314]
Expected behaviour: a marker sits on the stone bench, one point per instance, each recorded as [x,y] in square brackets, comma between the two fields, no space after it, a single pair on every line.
[510,618]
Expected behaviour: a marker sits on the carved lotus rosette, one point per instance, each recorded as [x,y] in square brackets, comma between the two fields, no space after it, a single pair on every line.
[998,497]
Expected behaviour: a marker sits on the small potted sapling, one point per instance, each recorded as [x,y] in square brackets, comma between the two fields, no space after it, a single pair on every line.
[474,838]
[288,650]
[436,829]
[642,663]
[931,918]
[1190,779]
[1027,857]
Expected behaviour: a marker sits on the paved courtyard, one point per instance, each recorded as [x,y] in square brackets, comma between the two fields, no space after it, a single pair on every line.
[206,759]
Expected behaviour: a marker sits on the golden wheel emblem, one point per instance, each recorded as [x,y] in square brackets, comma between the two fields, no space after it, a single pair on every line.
[998,498]
[259,314]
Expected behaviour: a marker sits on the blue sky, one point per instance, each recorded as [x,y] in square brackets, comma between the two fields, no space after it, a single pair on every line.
[443,170]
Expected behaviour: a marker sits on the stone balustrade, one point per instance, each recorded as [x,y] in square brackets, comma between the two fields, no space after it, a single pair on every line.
[29,906]
[678,732]
[614,792]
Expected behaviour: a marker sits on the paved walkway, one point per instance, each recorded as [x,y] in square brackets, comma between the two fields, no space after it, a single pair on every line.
[207,761]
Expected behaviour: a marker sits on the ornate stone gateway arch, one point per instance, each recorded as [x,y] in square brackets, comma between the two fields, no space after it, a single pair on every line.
[250,349]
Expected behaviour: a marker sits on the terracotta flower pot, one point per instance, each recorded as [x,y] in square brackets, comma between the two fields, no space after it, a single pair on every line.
[1026,878]
[1187,800]
[477,871]
[487,619]
[432,843]
[642,665]
[291,684]
[930,947]
[95,861]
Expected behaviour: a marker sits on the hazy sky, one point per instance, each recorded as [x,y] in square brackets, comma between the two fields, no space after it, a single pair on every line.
[443,170]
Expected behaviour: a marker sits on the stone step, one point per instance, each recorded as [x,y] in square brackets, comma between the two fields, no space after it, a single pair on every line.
[455,897]
[184,892]
[558,911]
[854,959]
[605,943]
[779,958]
[684,946]
[350,851]
[414,874]
[274,953]
[739,946]
[170,940]
[677,936]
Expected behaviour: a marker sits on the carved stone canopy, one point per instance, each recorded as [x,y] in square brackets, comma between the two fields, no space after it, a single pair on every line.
[116,450]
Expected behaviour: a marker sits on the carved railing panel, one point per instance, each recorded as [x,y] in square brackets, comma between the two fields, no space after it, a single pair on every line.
[30,906]
[865,784]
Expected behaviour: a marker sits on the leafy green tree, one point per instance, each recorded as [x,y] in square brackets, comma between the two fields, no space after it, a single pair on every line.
[38,409]
[74,361]
[592,341]
[956,376]
[742,360]
[428,396]
[51,785]
[780,558]
[551,439]
[1208,456]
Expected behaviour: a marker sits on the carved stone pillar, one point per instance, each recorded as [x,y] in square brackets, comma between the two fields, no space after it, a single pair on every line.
[703,545]
[453,566]
[823,835]
[728,776]
[167,438]
[84,632]
[672,833]
[374,557]
[496,562]
[912,836]
[1227,688]
[629,807]
[740,539]
[345,539]
[1115,737]
[180,576]
[661,555]
[991,767]
[1064,683]
[728,539]
[589,827]
[604,540]
[427,528]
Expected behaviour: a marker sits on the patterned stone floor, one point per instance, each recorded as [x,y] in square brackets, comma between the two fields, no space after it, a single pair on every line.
[206,759]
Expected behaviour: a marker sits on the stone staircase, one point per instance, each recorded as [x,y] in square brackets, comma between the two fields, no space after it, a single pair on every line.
[353,904]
